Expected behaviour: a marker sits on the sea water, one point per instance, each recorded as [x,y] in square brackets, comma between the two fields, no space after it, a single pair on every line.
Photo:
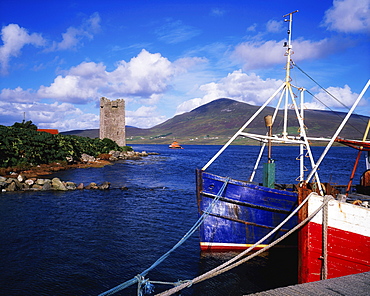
[86,242]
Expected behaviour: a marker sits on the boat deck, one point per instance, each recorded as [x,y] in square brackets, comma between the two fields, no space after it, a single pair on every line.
[356,284]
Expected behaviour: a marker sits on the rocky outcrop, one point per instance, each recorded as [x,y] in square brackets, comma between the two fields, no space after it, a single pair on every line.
[115,155]
[33,184]
[20,181]
[133,155]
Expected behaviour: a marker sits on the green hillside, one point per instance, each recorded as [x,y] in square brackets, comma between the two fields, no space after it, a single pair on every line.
[217,121]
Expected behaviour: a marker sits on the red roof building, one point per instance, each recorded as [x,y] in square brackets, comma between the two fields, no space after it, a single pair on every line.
[50,131]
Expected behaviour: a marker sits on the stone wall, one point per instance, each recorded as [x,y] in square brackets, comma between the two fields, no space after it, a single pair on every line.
[112,120]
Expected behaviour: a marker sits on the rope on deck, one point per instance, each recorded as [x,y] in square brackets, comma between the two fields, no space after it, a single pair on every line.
[230,264]
[140,278]
[325,222]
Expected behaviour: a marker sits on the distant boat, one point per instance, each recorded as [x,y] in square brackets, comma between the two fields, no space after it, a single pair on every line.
[175,145]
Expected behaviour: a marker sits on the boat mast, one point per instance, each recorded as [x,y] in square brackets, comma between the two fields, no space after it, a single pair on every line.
[289,45]
[287,72]
[288,89]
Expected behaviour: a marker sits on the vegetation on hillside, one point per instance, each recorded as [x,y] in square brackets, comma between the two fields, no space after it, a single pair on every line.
[25,124]
[215,122]
[25,146]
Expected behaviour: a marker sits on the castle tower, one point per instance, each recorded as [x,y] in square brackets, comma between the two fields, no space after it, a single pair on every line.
[112,120]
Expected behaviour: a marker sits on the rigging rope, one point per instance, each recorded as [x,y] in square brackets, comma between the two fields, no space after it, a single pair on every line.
[336,113]
[140,277]
[300,69]
[228,265]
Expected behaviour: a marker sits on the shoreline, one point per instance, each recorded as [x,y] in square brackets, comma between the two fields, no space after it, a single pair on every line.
[31,178]
[86,161]
[48,169]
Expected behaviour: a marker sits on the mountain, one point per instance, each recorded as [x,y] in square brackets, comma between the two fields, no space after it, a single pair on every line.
[217,121]
[89,133]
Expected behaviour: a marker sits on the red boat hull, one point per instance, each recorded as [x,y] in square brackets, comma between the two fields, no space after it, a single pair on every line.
[348,242]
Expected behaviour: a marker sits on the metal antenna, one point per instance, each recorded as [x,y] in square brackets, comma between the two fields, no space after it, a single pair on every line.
[289,44]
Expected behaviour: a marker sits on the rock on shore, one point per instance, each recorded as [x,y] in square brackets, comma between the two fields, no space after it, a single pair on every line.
[20,181]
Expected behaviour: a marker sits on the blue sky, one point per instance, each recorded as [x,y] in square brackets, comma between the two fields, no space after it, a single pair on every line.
[57,58]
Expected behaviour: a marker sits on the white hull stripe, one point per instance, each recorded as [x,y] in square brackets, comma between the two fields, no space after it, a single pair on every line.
[341,215]
[228,245]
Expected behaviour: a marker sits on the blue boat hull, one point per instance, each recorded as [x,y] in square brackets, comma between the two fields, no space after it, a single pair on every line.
[244,214]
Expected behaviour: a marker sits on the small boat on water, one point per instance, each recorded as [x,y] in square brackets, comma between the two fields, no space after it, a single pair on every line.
[246,211]
[175,145]
[336,242]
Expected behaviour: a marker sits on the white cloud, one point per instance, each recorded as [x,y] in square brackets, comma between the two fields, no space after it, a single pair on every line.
[314,106]
[237,85]
[252,28]
[183,64]
[274,26]
[87,82]
[175,32]
[348,16]
[88,70]
[343,96]
[145,116]
[69,89]
[189,105]
[62,116]
[256,54]
[217,12]
[144,75]
[14,39]
[73,37]
[17,95]
[261,54]
[144,79]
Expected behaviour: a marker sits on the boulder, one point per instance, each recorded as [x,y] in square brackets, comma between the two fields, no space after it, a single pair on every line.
[42,181]
[87,158]
[11,187]
[38,187]
[56,184]
[3,184]
[10,180]
[25,186]
[114,154]
[104,186]
[29,182]
[14,185]
[20,178]
[92,185]
[70,186]
[80,186]
[46,186]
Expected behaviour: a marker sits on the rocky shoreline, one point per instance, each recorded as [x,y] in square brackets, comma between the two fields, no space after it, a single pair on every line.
[28,180]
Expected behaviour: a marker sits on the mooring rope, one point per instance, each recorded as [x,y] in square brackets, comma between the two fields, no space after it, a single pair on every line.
[228,265]
[324,269]
[140,277]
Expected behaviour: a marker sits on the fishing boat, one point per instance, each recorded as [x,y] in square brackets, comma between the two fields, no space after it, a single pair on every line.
[246,210]
[175,145]
[336,241]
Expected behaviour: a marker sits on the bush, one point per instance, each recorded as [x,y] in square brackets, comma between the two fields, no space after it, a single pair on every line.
[21,146]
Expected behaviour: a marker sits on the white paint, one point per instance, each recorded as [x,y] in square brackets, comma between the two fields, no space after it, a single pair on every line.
[341,215]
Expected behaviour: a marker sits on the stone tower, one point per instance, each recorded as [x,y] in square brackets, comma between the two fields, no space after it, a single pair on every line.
[112,120]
